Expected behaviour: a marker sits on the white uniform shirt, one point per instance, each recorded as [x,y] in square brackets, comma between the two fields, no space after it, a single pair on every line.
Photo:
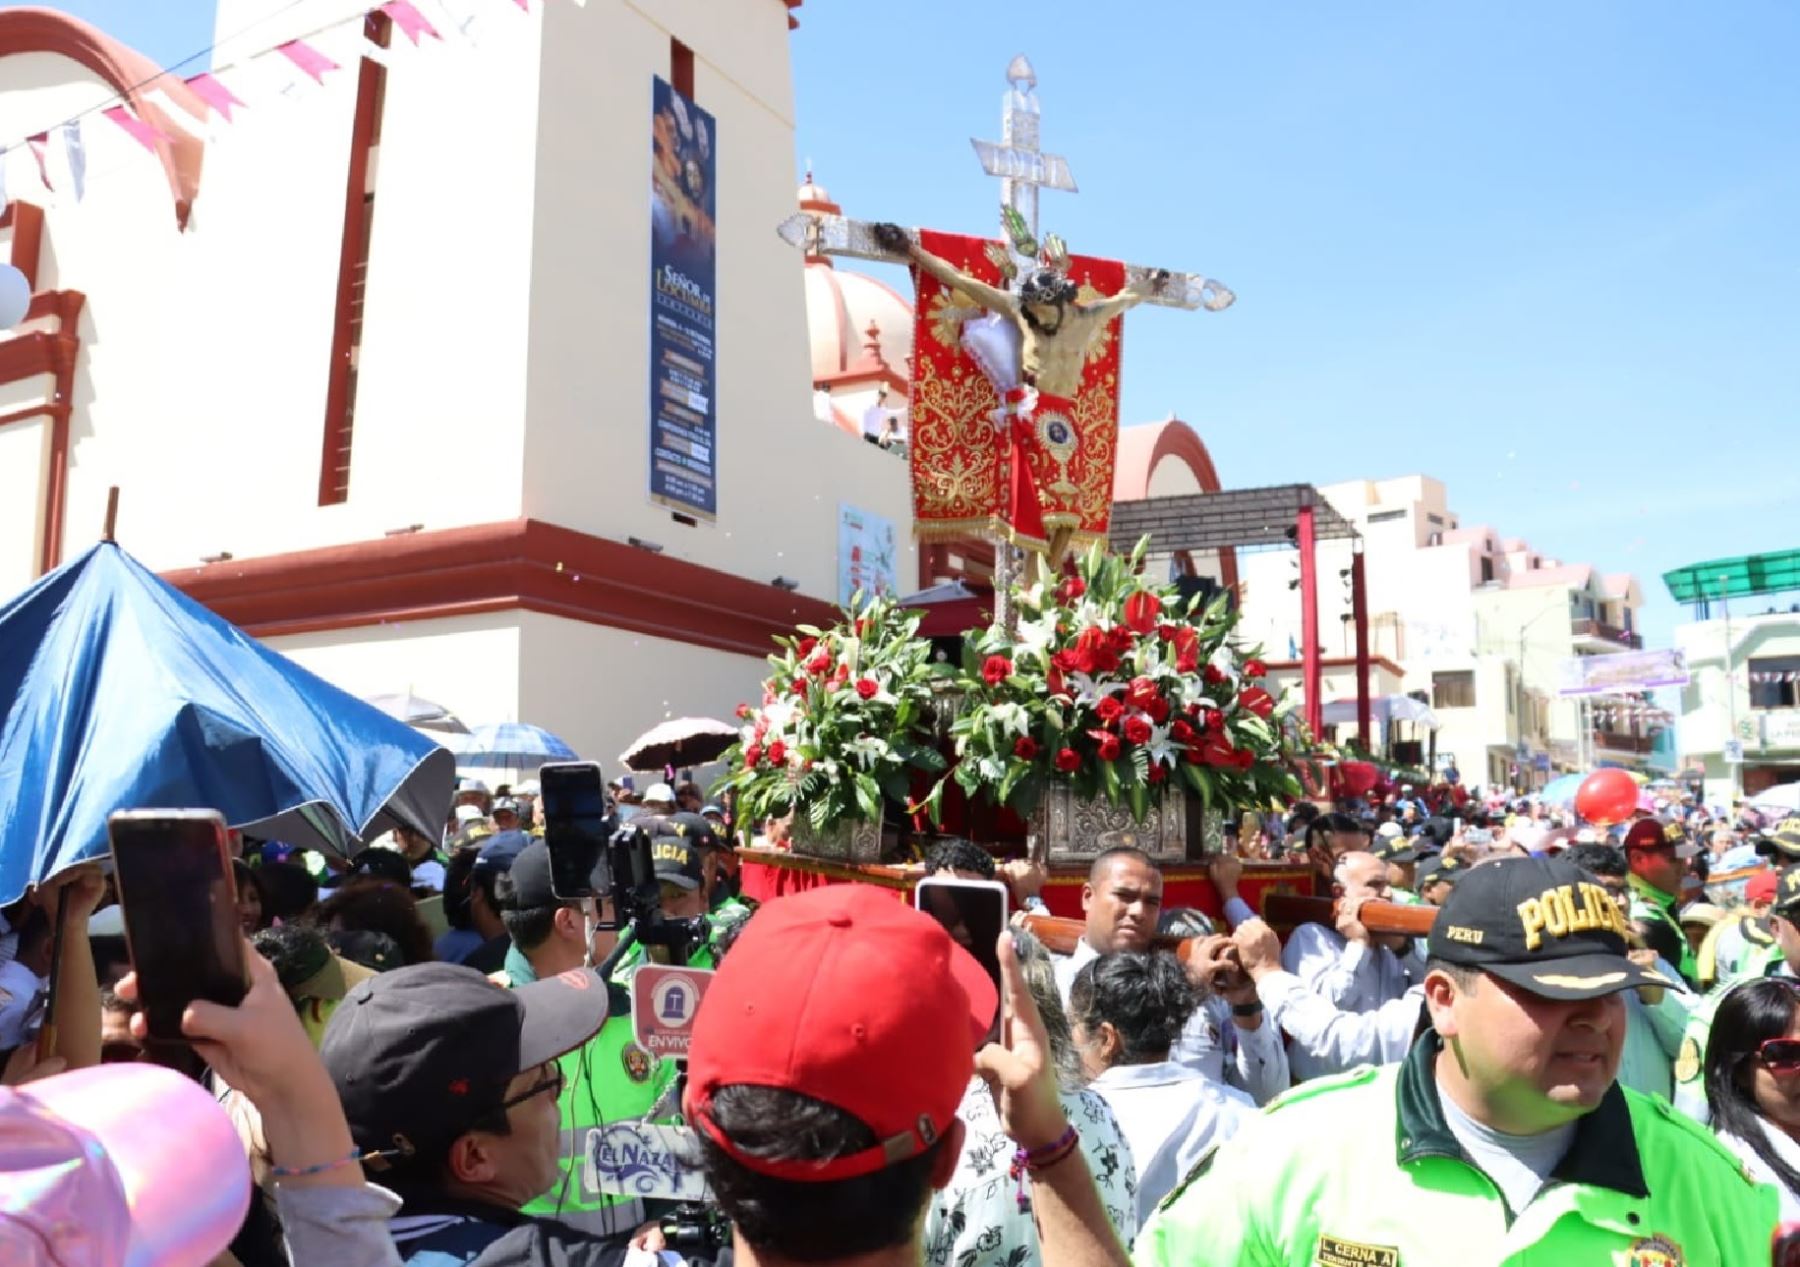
[1170,1116]
[1786,1149]
[1327,1039]
[1252,1060]
[1355,976]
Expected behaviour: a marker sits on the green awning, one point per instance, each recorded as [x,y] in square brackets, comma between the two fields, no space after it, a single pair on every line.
[1744,576]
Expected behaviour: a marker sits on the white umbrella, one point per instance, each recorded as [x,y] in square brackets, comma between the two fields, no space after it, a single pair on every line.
[420,714]
[1384,709]
[1784,796]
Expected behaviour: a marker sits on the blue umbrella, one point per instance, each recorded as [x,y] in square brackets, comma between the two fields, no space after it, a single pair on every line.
[509,745]
[1561,790]
[123,693]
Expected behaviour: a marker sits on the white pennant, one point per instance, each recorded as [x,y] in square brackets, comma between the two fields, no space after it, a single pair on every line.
[75,155]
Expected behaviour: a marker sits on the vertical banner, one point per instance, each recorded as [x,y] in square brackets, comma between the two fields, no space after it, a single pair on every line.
[683,418]
[866,554]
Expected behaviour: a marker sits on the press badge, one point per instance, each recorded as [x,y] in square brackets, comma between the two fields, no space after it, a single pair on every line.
[1333,1252]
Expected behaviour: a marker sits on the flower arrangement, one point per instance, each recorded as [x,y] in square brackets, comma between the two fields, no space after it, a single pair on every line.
[1120,688]
[845,719]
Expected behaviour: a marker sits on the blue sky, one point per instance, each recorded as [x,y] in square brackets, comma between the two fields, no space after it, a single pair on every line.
[1544,251]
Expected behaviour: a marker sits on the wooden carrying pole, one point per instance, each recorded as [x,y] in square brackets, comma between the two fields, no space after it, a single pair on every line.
[1281,909]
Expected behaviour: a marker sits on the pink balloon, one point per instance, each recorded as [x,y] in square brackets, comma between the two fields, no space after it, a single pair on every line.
[1606,797]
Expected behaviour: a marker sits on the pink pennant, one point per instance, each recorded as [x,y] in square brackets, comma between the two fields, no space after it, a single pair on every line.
[215,94]
[525,5]
[309,59]
[141,132]
[411,22]
[39,146]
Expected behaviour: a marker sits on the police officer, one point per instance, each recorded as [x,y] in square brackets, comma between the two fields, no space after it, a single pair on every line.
[1438,877]
[1658,853]
[1781,959]
[607,1079]
[1501,1138]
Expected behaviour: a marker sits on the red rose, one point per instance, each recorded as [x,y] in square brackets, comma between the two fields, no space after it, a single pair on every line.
[1071,589]
[1158,773]
[807,647]
[1181,732]
[1217,750]
[867,688]
[1066,662]
[1053,682]
[1212,721]
[1137,728]
[1108,709]
[996,670]
[1257,701]
[1196,752]
[1158,709]
[1120,639]
[1255,668]
[1212,675]
[818,663]
[752,755]
[744,712]
[1141,692]
[800,687]
[777,753]
[1025,748]
[1068,760]
[1141,611]
[843,672]
[1245,758]
[1108,744]
[1094,652]
[1167,631]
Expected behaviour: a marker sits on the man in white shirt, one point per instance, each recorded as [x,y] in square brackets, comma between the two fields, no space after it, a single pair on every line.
[1227,1039]
[1354,970]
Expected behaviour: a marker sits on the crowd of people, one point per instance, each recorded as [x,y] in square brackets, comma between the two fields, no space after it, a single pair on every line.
[1594,1055]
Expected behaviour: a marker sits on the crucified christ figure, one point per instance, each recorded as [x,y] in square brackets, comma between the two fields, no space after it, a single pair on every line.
[1055,331]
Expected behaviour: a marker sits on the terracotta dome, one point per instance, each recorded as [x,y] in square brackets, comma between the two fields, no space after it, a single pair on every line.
[841,306]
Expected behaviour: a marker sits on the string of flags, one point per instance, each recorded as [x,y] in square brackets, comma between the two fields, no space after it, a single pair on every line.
[59,152]
[1774,678]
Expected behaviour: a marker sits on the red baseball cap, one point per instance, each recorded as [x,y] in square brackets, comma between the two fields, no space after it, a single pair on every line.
[1651,833]
[1761,887]
[847,996]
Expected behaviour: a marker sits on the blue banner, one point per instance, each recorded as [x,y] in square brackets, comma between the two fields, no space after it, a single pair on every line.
[683,420]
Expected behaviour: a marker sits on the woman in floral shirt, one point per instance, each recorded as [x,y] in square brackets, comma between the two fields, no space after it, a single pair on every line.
[977,1221]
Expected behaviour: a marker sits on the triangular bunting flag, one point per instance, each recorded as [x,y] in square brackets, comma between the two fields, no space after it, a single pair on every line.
[39,145]
[215,94]
[76,153]
[411,22]
[309,59]
[141,132]
[524,5]
[175,115]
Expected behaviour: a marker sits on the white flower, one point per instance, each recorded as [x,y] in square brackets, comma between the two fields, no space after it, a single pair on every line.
[1161,749]
[867,749]
[1011,717]
[779,714]
[992,769]
[1035,636]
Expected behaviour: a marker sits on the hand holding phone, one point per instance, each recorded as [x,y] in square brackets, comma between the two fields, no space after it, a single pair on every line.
[575,825]
[973,912]
[179,899]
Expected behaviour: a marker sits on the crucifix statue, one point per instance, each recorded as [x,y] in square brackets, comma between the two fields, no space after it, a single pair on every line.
[1032,330]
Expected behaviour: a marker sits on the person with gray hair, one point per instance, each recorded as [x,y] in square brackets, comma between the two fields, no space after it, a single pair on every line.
[1355,970]
[976,1221]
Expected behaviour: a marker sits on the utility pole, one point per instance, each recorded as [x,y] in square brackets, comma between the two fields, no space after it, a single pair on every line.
[1736,767]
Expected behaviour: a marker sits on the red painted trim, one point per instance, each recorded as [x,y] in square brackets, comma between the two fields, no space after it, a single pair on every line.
[351,252]
[26,220]
[517,564]
[681,68]
[1312,698]
[52,352]
[130,74]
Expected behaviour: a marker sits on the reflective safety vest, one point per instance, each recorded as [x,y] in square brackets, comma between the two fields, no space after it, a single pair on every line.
[1312,1184]
[1655,909]
[608,1079]
[1732,946]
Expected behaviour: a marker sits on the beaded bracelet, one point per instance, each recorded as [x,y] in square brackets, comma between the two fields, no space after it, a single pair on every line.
[1035,1160]
[300,1172]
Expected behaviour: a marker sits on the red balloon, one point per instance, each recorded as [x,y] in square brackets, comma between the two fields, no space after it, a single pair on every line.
[1606,797]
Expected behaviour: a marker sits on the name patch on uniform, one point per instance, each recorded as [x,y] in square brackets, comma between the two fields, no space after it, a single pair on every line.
[1335,1252]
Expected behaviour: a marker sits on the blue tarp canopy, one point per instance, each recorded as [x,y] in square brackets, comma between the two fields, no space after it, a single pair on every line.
[123,693]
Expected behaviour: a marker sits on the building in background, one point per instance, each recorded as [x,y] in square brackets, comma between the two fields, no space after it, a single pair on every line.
[1739,724]
[384,349]
[1476,625]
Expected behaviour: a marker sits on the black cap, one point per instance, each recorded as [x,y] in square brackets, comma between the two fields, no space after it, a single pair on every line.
[1542,925]
[500,850]
[383,864]
[1787,894]
[420,1054]
[1451,869]
[678,857]
[1438,830]
[697,828]
[1782,843]
[1394,849]
[531,878]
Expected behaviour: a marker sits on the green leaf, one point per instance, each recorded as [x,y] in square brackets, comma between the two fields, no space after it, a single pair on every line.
[1140,801]
[1027,795]
[1015,771]
[1110,775]
[811,631]
[868,797]
[895,785]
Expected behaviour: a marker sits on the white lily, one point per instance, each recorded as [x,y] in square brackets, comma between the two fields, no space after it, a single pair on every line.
[779,714]
[1161,748]
[867,749]
[1011,717]
[992,769]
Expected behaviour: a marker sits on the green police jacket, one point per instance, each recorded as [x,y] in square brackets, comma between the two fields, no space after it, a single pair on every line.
[1663,933]
[608,1079]
[1361,1170]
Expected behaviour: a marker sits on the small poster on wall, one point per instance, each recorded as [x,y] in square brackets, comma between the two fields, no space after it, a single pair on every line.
[866,554]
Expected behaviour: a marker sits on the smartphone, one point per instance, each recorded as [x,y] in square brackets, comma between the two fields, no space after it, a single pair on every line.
[179,899]
[973,912]
[575,826]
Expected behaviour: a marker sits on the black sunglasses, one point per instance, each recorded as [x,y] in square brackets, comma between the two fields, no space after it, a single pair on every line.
[1779,1055]
[552,1081]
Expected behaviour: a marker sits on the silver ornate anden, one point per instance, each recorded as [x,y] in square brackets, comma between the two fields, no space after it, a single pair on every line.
[1066,828]
[849,841]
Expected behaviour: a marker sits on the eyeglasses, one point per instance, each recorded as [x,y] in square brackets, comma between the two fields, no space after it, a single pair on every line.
[552,1081]
[1779,1055]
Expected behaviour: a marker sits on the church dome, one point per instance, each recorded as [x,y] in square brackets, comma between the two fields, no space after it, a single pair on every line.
[841,306]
